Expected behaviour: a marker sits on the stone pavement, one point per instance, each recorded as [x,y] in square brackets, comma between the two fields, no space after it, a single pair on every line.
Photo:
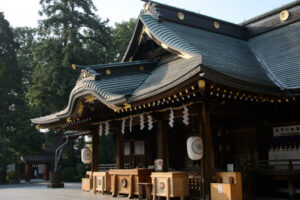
[39,191]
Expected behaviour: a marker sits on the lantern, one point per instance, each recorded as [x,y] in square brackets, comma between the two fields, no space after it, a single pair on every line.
[86,155]
[195,147]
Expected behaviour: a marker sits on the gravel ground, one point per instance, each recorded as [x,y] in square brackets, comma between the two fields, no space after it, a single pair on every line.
[39,191]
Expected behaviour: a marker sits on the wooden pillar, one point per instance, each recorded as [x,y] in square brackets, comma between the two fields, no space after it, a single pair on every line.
[162,142]
[119,148]
[95,150]
[27,172]
[208,152]
[46,171]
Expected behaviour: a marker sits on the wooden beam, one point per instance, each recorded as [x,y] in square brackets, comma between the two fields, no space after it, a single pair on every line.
[208,151]
[162,142]
[95,150]
[119,147]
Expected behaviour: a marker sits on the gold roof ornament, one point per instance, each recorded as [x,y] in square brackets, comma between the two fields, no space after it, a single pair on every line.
[163,45]
[284,15]
[180,16]
[147,7]
[84,74]
[108,72]
[216,25]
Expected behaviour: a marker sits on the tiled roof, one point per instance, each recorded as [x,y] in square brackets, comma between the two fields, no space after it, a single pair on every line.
[167,76]
[224,54]
[263,62]
[278,52]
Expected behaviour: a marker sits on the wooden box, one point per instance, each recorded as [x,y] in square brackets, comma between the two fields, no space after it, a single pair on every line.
[87,183]
[101,182]
[125,181]
[229,186]
[170,184]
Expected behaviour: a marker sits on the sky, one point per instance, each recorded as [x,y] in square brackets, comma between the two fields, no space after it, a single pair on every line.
[25,12]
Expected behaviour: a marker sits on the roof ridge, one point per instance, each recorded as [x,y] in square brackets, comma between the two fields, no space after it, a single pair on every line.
[193,13]
[269,13]
[193,19]
[185,46]
[115,64]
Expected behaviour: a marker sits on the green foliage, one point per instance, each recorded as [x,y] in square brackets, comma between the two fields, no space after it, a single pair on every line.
[10,89]
[122,35]
[70,33]
[25,37]
[69,174]
[12,177]
[36,76]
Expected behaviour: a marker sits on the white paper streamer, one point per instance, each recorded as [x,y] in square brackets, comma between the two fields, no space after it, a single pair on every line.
[123,127]
[130,123]
[100,130]
[106,128]
[171,118]
[142,122]
[185,115]
[150,122]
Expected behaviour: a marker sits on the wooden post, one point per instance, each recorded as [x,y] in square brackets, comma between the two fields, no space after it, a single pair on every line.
[27,172]
[46,171]
[154,187]
[119,149]
[208,152]
[95,150]
[114,185]
[162,142]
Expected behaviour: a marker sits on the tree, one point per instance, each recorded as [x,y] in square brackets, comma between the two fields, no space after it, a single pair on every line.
[8,88]
[11,97]
[67,34]
[122,34]
[25,37]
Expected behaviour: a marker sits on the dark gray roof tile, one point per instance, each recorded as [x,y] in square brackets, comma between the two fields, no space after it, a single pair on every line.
[279,54]
[224,54]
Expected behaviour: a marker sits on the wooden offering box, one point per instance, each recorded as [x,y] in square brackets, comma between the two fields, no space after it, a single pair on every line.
[126,181]
[170,184]
[229,186]
[101,182]
[87,183]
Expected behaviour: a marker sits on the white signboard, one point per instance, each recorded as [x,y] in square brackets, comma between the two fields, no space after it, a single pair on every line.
[286,131]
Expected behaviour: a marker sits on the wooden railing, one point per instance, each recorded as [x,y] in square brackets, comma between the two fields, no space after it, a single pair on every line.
[287,165]
[103,167]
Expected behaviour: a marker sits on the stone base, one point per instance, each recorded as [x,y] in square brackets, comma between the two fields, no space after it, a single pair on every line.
[55,185]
